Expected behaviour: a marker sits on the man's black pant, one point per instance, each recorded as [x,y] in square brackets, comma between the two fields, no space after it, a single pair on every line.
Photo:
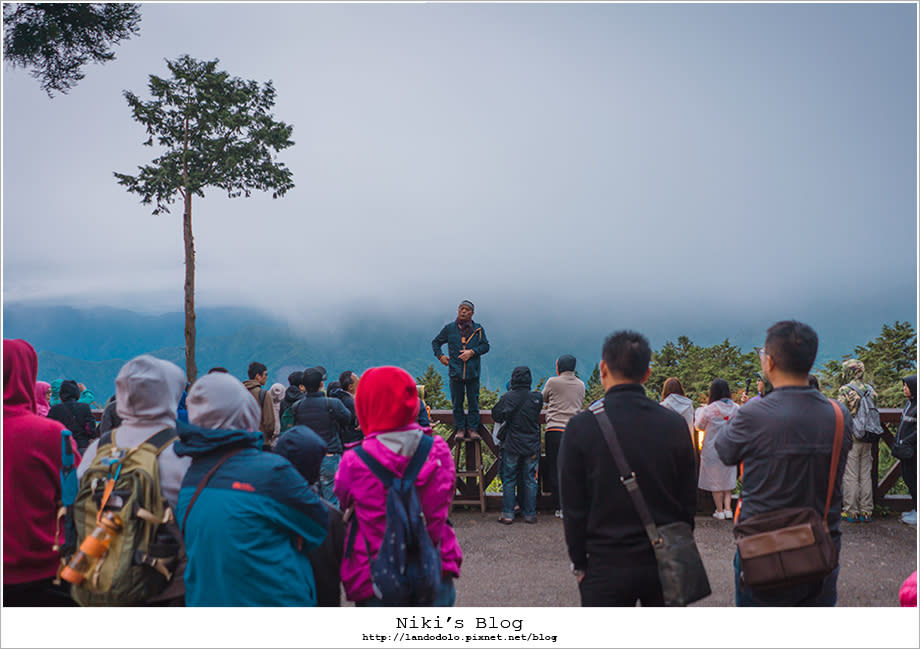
[553,439]
[469,389]
[621,582]
[909,473]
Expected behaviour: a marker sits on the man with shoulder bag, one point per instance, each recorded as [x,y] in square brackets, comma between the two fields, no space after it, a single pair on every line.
[793,444]
[627,473]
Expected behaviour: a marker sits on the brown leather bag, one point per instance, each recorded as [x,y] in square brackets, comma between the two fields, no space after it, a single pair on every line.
[790,546]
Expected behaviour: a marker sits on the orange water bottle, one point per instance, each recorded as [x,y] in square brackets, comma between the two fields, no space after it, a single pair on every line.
[92,548]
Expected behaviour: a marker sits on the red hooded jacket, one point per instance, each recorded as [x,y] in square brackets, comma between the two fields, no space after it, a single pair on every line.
[31,472]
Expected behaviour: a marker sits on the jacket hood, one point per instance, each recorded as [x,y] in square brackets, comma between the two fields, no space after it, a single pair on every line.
[911,383]
[147,392]
[219,401]
[678,402]
[520,377]
[20,367]
[195,441]
[304,449]
[41,397]
[70,391]
[276,392]
[853,370]
[292,394]
[386,400]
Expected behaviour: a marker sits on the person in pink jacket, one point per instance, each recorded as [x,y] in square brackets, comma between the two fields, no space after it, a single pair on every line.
[387,405]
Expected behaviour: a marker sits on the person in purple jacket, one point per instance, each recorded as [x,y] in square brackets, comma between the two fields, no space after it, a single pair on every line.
[387,404]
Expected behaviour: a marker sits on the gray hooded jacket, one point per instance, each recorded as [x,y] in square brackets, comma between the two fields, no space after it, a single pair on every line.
[147,392]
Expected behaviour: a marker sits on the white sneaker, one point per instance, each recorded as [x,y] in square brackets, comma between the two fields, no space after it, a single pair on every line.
[558,513]
[909,518]
[718,515]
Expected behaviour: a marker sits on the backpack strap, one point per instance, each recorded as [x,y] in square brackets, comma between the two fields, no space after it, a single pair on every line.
[161,440]
[204,481]
[383,474]
[421,454]
[415,464]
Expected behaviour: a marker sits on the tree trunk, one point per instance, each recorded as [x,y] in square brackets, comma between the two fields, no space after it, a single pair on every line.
[191,369]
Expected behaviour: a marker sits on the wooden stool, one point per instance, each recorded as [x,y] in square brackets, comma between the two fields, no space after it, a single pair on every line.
[472,471]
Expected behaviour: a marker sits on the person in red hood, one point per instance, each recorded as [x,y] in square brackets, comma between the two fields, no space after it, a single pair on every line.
[31,486]
[387,405]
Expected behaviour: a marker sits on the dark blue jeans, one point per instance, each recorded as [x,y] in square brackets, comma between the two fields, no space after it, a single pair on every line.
[469,389]
[527,465]
[327,469]
[818,593]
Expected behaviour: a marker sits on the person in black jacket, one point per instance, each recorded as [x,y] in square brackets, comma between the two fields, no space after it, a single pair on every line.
[344,390]
[305,450]
[519,412]
[77,417]
[907,435]
[612,558]
[327,417]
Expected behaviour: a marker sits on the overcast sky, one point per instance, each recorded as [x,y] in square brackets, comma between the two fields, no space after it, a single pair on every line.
[683,161]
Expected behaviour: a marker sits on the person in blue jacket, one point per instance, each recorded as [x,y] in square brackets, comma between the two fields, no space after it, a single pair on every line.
[249,533]
[466,342]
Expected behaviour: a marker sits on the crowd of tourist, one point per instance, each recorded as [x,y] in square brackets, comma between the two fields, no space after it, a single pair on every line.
[291,495]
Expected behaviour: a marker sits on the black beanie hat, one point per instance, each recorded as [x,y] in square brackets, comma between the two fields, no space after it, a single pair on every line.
[565,363]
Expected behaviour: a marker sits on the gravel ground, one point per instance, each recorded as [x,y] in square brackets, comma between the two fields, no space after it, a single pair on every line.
[527,565]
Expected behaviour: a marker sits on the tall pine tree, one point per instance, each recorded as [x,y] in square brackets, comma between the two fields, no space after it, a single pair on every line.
[215,131]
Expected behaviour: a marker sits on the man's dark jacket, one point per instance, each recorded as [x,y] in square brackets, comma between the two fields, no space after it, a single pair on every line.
[326,416]
[456,343]
[519,411]
[350,433]
[600,518]
[292,395]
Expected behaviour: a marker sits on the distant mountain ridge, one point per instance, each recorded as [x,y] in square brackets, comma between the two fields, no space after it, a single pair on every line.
[91,345]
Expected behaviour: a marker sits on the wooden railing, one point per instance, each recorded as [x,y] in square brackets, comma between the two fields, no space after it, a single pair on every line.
[890,417]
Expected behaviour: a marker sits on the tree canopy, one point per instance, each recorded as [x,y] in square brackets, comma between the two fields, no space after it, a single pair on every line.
[56,40]
[215,131]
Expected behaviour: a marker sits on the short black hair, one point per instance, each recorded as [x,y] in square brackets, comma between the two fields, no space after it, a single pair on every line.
[793,346]
[295,378]
[312,379]
[346,378]
[719,390]
[627,353]
[323,370]
[218,369]
[256,368]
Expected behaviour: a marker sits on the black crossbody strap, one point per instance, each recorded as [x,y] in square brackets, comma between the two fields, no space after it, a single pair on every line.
[204,481]
[627,476]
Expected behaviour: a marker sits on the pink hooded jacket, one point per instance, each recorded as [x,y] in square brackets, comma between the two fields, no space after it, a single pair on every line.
[387,406]
[41,398]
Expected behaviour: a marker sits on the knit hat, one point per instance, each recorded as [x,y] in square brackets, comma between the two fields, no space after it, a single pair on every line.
[386,400]
[467,304]
[565,363]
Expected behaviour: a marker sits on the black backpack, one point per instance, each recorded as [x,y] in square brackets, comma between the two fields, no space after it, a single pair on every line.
[407,568]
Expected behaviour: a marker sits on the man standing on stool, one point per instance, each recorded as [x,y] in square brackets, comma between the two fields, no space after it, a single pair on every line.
[466,342]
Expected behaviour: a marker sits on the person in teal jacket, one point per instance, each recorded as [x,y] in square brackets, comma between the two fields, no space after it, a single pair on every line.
[466,343]
[249,533]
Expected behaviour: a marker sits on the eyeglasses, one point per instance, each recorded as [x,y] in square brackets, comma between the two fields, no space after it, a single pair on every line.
[762,352]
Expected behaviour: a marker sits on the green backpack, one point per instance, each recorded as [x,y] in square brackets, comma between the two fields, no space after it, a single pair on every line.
[140,560]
